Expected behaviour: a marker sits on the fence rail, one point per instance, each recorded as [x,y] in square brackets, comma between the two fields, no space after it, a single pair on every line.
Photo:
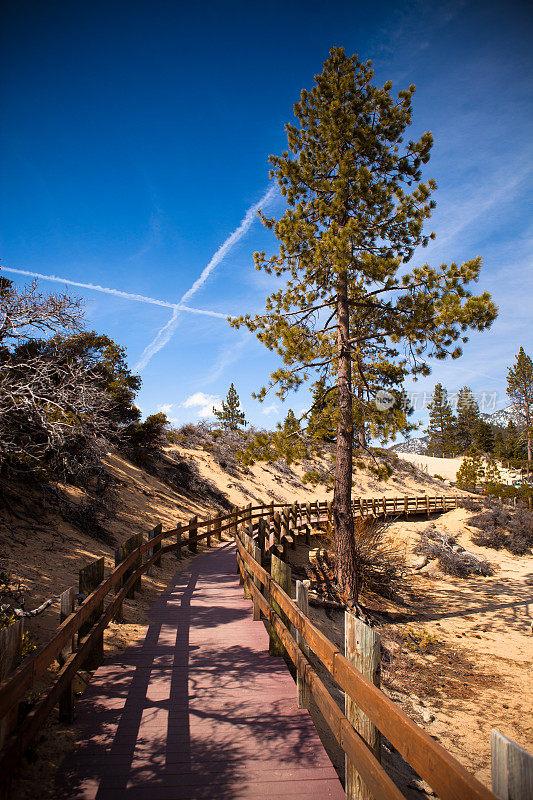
[446,776]
[273,538]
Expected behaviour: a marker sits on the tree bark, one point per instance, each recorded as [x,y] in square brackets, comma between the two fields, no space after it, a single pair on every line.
[342,501]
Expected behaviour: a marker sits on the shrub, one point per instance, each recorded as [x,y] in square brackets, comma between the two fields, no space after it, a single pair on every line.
[142,440]
[419,640]
[381,471]
[471,503]
[379,562]
[457,562]
[502,528]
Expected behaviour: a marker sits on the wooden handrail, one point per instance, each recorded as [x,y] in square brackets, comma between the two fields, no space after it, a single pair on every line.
[13,689]
[447,776]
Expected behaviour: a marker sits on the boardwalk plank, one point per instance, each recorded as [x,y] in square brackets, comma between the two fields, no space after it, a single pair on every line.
[198,709]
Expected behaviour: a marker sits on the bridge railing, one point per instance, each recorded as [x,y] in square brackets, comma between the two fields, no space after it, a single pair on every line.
[79,635]
[446,776]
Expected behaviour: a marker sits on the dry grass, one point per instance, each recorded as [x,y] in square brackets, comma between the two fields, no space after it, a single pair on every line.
[419,663]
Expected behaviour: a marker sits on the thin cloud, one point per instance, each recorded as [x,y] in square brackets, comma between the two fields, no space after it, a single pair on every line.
[166,408]
[165,334]
[204,403]
[500,187]
[116,292]
[271,409]
[227,357]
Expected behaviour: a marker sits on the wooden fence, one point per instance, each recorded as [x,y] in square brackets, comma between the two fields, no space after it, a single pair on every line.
[78,639]
[293,634]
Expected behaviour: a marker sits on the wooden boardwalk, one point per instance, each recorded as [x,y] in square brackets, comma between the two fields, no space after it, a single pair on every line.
[199,709]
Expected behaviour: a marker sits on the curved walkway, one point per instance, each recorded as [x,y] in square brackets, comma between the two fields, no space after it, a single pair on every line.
[199,709]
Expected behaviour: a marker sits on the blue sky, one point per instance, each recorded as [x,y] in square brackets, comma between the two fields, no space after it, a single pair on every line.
[134,146]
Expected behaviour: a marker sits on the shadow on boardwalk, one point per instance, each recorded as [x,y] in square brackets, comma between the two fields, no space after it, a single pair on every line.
[199,709]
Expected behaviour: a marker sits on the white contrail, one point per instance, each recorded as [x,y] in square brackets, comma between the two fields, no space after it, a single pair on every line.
[166,332]
[116,292]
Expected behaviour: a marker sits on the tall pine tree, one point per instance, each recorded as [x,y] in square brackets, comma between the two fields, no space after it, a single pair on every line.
[467,419]
[442,425]
[520,390]
[231,415]
[355,212]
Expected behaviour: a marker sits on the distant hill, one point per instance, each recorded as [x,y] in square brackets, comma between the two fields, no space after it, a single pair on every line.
[502,418]
[411,446]
[499,418]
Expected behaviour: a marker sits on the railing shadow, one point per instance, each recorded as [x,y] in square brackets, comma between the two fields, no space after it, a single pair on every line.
[139,708]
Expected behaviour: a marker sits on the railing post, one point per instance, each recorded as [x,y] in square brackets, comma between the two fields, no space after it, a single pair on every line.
[89,578]
[67,604]
[256,615]
[406,505]
[151,535]
[512,769]
[281,573]
[193,534]
[363,650]
[246,541]
[302,601]
[122,552]
[208,529]
[277,526]
[285,523]
[178,539]
[427,505]
[308,513]
[10,650]
[261,540]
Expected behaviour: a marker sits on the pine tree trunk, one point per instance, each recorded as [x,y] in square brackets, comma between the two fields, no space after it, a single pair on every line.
[342,501]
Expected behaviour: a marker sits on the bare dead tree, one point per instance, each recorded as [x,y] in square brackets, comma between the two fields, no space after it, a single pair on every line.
[27,314]
[52,413]
[54,410]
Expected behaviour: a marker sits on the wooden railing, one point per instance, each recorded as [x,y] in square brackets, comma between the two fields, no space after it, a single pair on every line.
[283,520]
[446,776]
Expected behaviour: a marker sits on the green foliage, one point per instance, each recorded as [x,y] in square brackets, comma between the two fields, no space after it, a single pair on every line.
[520,390]
[382,471]
[349,311]
[491,474]
[471,471]
[467,419]
[371,419]
[64,392]
[484,436]
[231,415]
[107,360]
[441,430]
[143,440]
[347,178]
[286,442]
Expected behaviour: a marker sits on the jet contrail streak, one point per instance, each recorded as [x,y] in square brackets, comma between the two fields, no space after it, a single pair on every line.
[116,292]
[165,334]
